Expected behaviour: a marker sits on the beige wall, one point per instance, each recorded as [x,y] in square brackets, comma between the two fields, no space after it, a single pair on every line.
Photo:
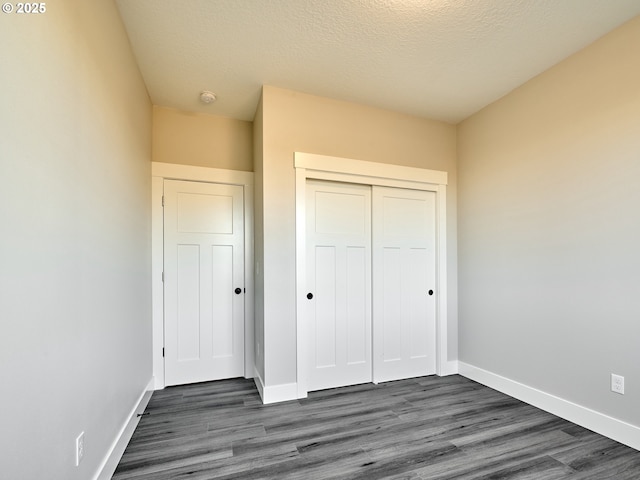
[75,320]
[294,121]
[549,229]
[202,140]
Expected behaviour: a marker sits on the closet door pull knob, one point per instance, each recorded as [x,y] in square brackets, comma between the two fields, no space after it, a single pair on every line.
[430,292]
[238,291]
[309,296]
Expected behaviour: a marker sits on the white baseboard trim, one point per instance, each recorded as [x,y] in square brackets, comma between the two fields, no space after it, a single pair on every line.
[257,379]
[158,384]
[113,456]
[598,422]
[275,393]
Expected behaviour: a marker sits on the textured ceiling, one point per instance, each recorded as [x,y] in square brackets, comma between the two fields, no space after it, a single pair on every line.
[441,59]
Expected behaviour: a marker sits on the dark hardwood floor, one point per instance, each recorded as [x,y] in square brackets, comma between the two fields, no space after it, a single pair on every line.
[422,428]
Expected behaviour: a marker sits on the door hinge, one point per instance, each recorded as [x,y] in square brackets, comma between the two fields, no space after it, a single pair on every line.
[162,352]
[162,277]
[163,200]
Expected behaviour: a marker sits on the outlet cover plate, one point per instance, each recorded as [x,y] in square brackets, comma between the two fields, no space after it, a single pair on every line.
[79,448]
[617,384]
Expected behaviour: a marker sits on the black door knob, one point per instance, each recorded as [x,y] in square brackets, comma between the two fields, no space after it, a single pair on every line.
[309,296]
[430,292]
[238,291]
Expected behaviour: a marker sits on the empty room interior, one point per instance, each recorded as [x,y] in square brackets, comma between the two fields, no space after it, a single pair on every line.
[291,210]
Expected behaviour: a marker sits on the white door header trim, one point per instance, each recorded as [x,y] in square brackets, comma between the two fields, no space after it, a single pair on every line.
[172,171]
[356,168]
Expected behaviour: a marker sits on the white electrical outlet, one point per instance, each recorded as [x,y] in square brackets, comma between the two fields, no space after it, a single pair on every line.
[617,384]
[79,448]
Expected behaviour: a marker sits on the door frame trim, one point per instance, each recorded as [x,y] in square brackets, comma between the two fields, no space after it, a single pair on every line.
[169,171]
[322,167]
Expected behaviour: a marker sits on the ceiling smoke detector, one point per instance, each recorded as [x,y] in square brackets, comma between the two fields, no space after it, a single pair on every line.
[207,97]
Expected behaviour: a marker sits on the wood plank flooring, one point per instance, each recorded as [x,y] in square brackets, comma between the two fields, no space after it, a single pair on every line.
[423,428]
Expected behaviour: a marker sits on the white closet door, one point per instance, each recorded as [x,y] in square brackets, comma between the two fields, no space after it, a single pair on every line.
[404,303]
[204,281]
[339,281]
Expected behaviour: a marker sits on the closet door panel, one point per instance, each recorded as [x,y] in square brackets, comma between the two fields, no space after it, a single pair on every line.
[325,331]
[358,318]
[338,231]
[389,274]
[403,247]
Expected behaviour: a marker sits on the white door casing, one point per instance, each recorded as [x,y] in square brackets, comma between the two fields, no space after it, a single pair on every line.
[404,278]
[159,172]
[321,167]
[204,281]
[339,283]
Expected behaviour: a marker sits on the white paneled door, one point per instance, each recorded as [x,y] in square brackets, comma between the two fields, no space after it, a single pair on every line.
[338,218]
[371,280]
[203,281]
[404,266]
